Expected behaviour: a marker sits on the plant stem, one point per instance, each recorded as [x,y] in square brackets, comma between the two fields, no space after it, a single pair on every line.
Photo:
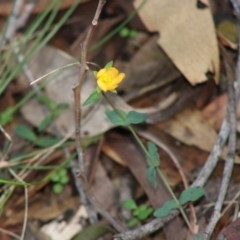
[158,170]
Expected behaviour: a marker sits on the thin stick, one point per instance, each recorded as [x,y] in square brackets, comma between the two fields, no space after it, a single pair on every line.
[26,204]
[77,100]
[77,88]
[229,163]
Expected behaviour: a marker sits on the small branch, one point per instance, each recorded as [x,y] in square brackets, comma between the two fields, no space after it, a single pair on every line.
[77,99]
[77,88]
[229,163]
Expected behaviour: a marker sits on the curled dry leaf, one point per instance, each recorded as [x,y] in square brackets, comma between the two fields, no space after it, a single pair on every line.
[187,35]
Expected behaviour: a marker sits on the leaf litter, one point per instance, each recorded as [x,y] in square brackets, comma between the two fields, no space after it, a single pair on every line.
[185,119]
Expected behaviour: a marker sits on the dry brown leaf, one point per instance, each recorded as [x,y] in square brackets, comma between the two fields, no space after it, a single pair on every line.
[215,111]
[43,210]
[191,128]
[187,35]
[6,7]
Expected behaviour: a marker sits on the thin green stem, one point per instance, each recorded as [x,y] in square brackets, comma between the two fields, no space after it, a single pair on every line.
[158,170]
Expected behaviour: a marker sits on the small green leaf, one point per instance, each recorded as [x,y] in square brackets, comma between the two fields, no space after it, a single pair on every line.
[25,133]
[109,65]
[153,152]
[191,195]
[57,188]
[64,180]
[166,209]
[54,177]
[133,33]
[95,73]
[198,237]
[45,123]
[7,116]
[136,212]
[95,95]
[142,207]
[133,222]
[117,119]
[48,102]
[144,212]
[46,141]
[59,109]
[135,118]
[124,32]
[151,175]
[129,204]
[62,172]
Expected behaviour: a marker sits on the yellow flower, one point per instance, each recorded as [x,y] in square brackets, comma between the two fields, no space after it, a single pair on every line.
[109,79]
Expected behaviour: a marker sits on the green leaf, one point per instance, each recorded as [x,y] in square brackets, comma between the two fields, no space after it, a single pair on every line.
[54,177]
[25,133]
[6,116]
[62,172]
[95,73]
[124,119]
[116,119]
[191,195]
[46,141]
[151,175]
[143,207]
[64,180]
[153,152]
[133,33]
[129,204]
[59,109]
[197,236]
[133,222]
[124,32]
[47,101]
[95,95]
[136,212]
[57,188]
[45,123]
[109,65]
[144,214]
[166,209]
[135,118]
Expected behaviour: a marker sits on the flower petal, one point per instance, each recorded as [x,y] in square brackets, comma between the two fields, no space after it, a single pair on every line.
[102,86]
[112,72]
[119,78]
[101,72]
